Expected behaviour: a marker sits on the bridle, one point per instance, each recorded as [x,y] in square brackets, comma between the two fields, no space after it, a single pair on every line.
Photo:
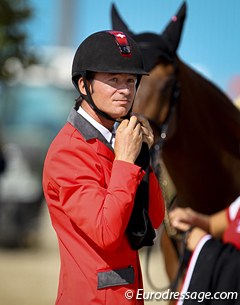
[155,152]
[156,164]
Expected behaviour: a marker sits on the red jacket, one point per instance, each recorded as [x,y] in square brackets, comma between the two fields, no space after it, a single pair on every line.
[90,197]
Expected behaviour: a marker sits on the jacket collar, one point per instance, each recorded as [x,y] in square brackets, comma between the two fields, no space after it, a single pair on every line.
[85,128]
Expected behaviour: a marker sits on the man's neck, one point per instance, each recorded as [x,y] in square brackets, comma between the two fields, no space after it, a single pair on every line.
[97,117]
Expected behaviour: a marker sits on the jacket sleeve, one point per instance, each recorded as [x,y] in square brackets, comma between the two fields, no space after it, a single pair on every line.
[156,201]
[101,211]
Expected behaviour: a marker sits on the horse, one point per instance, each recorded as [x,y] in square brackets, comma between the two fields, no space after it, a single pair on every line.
[196,126]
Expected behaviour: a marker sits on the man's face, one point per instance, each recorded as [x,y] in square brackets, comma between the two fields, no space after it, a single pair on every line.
[113,93]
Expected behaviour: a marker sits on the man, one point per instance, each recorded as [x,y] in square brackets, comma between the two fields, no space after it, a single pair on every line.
[91,181]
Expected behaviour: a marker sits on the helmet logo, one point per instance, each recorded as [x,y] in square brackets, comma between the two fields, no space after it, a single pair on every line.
[122,42]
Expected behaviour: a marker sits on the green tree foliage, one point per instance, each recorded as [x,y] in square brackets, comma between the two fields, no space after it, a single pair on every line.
[13,37]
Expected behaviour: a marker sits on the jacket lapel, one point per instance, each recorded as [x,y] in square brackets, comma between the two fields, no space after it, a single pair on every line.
[89,132]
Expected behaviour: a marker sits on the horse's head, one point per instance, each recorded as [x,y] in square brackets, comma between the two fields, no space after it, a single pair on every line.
[159,55]
[201,150]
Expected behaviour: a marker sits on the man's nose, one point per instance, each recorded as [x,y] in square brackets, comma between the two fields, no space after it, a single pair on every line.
[124,87]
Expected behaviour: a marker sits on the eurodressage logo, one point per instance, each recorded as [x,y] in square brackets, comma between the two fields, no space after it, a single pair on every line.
[199,296]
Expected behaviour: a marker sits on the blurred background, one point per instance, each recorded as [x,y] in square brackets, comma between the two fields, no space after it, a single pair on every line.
[37,43]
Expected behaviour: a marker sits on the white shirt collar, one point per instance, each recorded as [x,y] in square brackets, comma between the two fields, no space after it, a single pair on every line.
[103,130]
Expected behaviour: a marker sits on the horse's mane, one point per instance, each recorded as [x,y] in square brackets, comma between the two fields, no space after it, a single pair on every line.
[202,150]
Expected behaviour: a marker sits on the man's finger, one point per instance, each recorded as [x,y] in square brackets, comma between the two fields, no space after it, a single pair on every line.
[133,122]
[123,124]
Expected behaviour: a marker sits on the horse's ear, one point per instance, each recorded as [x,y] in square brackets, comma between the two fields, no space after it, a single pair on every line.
[173,31]
[117,22]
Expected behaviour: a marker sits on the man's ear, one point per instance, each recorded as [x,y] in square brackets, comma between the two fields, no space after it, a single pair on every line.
[81,86]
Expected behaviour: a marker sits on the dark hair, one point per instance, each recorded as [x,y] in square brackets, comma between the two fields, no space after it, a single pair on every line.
[78,102]
[90,75]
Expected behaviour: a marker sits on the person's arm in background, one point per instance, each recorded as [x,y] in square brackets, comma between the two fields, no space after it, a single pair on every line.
[185,218]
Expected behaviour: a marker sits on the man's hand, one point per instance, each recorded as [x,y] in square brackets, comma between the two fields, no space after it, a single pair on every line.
[146,130]
[128,141]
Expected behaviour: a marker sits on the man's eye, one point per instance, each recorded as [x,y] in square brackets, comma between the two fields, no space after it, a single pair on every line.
[114,80]
[132,81]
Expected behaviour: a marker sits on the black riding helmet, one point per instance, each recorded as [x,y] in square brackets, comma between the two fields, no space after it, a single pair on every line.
[110,52]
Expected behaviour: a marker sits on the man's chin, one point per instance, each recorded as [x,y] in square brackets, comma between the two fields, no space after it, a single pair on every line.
[122,114]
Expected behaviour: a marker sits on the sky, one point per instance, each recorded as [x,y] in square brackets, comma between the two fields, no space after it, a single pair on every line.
[210,41]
